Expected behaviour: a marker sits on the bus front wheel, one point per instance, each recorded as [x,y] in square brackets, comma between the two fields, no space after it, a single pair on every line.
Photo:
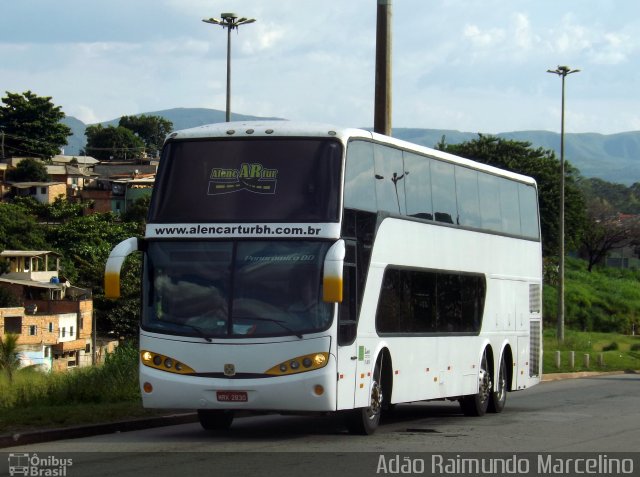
[477,404]
[364,421]
[213,420]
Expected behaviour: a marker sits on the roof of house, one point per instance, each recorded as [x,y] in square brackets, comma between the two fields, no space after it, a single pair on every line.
[105,170]
[32,283]
[27,185]
[66,170]
[26,253]
[83,160]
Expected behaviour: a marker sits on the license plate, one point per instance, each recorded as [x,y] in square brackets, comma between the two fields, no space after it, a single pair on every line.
[232,396]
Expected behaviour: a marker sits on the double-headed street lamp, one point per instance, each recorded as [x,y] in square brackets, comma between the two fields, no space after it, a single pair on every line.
[229,21]
[561,71]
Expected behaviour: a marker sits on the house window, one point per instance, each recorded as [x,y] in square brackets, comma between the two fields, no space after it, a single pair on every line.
[87,349]
[71,331]
[47,352]
[63,332]
[13,324]
[81,323]
[33,330]
[50,327]
[43,190]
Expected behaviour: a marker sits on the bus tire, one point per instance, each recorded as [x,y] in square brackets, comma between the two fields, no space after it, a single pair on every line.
[499,394]
[364,421]
[477,404]
[215,419]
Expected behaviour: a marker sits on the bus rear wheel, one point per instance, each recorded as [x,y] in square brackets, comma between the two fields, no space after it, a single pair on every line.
[364,421]
[213,420]
[477,404]
[499,396]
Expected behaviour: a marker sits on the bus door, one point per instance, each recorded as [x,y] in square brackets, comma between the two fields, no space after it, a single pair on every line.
[347,331]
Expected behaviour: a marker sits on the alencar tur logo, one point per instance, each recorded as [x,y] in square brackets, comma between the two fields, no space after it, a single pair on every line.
[252,177]
[38,466]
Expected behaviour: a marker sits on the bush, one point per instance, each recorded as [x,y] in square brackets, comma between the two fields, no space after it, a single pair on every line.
[115,381]
[611,346]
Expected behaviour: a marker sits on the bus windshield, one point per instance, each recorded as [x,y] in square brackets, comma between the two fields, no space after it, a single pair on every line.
[242,289]
[248,180]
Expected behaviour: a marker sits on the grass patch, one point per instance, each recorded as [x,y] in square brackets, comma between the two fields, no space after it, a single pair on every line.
[115,381]
[106,393]
[36,418]
[603,300]
[620,352]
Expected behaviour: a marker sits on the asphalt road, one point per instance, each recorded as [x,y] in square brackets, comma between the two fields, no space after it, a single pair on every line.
[595,414]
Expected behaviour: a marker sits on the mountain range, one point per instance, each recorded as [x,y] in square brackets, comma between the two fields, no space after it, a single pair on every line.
[611,157]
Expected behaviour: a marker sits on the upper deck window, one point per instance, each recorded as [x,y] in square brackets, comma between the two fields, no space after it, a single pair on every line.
[248,180]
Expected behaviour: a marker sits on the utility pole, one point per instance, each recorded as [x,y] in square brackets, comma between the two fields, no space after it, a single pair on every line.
[229,21]
[561,71]
[382,107]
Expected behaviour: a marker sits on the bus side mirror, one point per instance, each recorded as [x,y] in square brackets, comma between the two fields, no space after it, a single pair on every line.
[332,280]
[114,265]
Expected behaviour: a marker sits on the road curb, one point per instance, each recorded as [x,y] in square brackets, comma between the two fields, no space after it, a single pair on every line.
[35,437]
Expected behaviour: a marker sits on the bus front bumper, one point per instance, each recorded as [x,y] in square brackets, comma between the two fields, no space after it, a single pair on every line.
[313,391]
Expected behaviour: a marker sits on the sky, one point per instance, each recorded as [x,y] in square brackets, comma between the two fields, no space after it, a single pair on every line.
[467,65]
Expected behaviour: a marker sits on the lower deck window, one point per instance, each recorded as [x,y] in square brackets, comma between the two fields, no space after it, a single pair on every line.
[418,301]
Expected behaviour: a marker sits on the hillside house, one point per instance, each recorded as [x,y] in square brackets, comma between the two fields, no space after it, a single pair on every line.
[43,192]
[75,178]
[54,320]
[116,192]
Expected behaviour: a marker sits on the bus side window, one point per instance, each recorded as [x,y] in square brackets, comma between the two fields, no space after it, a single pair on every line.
[443,186]
[359,185]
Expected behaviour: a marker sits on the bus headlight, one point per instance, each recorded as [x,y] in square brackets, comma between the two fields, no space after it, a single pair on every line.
[301,364]
[164,363]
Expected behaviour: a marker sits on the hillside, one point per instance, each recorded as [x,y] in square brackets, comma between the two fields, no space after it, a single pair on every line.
[613,157]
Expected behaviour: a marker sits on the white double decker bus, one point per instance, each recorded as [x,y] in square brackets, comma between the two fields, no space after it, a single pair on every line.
[297,268]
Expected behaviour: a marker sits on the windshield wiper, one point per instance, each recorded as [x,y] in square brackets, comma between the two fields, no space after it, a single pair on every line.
[200,332]
[280,323]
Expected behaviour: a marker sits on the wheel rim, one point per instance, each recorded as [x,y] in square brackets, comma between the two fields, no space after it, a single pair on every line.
[373,411]
[485,381]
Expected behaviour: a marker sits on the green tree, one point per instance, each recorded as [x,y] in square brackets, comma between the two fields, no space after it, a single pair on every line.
[606,231]
[151,129]
[137,211]
[621,198]
[60,210]
[31,126]
[113,143]
[9,360]
[19,230]
[86,242]
[544,167]
[28,170]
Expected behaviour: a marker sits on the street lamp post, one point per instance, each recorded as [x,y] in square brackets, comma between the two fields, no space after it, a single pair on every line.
[229,21]
[382,94]
[561,71]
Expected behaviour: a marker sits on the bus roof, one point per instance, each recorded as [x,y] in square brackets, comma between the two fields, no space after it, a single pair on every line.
[280,128]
